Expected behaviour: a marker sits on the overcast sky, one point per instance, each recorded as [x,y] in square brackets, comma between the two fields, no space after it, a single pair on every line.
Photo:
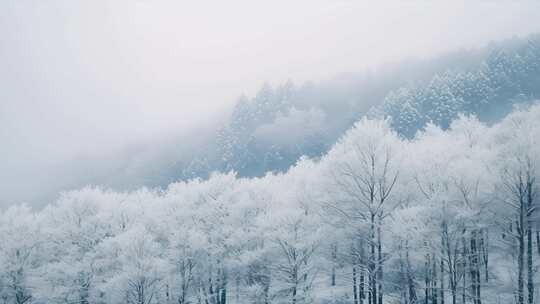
[83,79]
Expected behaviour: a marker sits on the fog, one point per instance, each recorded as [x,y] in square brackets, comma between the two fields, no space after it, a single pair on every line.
[83,82]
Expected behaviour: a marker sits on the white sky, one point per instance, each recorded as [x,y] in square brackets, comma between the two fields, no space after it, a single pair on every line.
[85,78]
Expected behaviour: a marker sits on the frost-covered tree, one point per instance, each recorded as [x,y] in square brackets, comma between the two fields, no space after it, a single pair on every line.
[20,254]
[518,189]
[364,171]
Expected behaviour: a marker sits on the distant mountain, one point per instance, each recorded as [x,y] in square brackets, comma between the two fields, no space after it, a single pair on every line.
[271,130]
[509,74]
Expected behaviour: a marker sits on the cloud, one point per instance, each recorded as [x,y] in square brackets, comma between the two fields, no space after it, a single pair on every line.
[288,129]
[87,79]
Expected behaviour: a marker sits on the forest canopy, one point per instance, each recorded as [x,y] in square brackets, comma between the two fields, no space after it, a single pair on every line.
[447,215]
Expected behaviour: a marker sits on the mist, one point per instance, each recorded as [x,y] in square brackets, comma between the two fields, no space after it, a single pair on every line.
[91,89]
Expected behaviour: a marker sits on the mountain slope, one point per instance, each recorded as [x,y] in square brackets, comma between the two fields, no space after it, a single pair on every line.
[270,131]
[507,76]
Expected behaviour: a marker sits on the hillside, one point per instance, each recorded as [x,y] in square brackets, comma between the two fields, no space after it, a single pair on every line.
[271,130]
[507,76]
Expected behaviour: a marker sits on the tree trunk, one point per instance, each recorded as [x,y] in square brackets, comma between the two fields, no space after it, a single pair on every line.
[379,263]
[372,260]
[434,291]
[475,267]
[464,272]
[538,241]
[520,261]
[295,284]
[334,262]
[355,292]
[442,280]
[237,283]
[530,270]
[402,274]
[210,285]
[362,287]
[427,281]
[484,245]
[410,279]
[223,294]
[528,222]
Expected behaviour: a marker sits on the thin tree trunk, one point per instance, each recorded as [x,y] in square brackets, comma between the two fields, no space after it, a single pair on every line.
[528,222]
[442,280]
[485,252]
[520,261]
[362,293]
[434,291]
[223,295]
[530,271]
[334,262]
[475,267]
[412,290]
[402,274]
[464,272]
[538,241]
[355,292]
[237,283]
[372,270]
[427,281]
[379,263]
